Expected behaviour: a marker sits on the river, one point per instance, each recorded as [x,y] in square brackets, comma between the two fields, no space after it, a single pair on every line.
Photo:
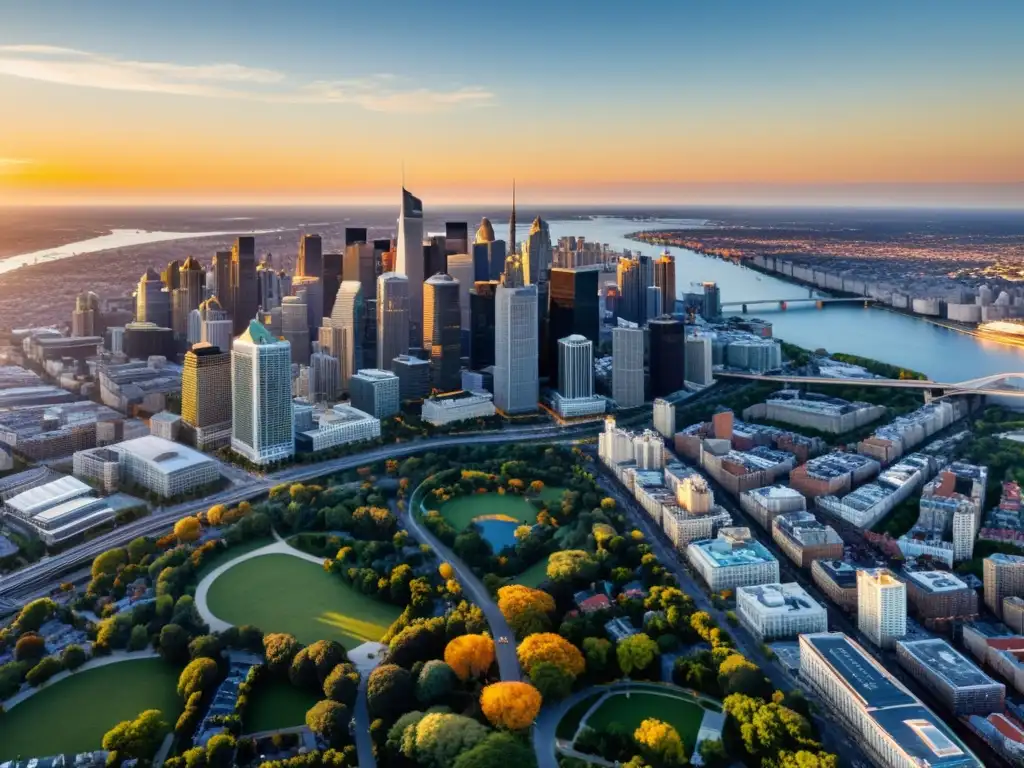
[941,354]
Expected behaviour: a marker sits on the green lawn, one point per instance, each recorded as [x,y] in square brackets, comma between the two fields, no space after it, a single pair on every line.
[461,511]
[277,705]
[685,716]
[570,721]
[74,714]
[533,576]
[282,593]
[218,558]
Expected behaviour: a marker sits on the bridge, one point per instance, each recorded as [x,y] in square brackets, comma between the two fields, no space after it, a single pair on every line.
[995,384]
[783,304]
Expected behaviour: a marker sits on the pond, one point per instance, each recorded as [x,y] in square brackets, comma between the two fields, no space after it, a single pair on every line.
[498,530]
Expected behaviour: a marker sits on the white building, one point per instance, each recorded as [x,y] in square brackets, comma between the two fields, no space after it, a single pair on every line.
[261,408]
[324,384]
[342,337]
[665,418]
[99,464]
[733,560]
[881,606]
[392,318]
[340,425]
[409,258]
[575,367]
[698,361]
[165,468]
[777,611]
[59,510]
[375,391]
[457,406]
[165,424]
[770,501]
[516,384]
[628,366]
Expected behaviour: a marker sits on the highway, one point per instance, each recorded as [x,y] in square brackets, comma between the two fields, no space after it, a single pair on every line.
[984,385]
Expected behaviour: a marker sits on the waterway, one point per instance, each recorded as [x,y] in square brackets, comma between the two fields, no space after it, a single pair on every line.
[941,354]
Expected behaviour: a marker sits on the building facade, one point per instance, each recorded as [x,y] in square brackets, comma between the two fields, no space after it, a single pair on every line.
[442,331]
[262,429]
[881,606]
[778,611]
[375,392]
[516,382]
[628,367]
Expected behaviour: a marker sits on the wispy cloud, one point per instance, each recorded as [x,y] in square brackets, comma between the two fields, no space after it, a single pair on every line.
[379,93]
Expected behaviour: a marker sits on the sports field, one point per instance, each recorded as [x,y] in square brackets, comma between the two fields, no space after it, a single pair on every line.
[74,714]
[683,715]
[282,593]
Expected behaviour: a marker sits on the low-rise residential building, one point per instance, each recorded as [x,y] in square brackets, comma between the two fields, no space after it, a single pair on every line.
[938,598]
[870,503]
[778,611]
[336,426]
[838,580]
[165,425]
[733,559]
[833,474]
[458,406]
[1013,613]
[41,432]
[815,411]
[998,649]
[959,684]
[165,468]
[768,502]
[804,539]
[892,441]
[739,471]
[1004,577]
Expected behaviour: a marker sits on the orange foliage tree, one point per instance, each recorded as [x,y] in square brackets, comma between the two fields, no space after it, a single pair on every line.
[512,706]
[552,648]
[526,610]
[187,529]
[470,655]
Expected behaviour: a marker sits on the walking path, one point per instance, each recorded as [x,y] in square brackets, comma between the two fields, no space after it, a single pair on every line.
[100,661]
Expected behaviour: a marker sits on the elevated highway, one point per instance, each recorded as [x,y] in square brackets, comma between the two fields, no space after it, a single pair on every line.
[995,384]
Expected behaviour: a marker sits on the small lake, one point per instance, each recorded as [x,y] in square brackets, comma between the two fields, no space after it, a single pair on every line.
[499,532]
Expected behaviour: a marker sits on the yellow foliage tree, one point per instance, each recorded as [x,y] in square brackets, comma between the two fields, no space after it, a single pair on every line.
[512,705]
[515,600]
[446,571]
[215,514]
[469,655]
[187,529]
[661,740]
[555,649]
[522,532]
[536,486]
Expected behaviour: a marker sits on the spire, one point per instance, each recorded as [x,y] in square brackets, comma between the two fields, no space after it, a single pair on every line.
[512,222]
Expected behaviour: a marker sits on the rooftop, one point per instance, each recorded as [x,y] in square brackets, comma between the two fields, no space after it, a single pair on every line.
[166,455]
[729,552]
[946,662]
[842,573]
[935,581]
[780,598]
[872,684]
[775,492]
[1001,558]
[375,373]
[36,499]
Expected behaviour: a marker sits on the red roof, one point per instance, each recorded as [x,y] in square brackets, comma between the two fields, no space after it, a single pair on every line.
[1015,643]
[1007,727]
[595,603]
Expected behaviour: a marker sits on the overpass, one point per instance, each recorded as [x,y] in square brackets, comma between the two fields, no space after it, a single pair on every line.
[783,304]
[994,384]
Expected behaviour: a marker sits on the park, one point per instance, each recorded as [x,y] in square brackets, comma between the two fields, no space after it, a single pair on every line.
[495,515]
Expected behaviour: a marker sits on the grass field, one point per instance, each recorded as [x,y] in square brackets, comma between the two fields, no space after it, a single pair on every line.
[75,713]
[685,716]
[570,721]
[282,593]
[220,557]
[461,511]
[277,705]
[533,576]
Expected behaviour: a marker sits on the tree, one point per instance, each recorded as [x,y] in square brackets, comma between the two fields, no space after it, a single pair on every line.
[205,646]
[35,614]
[660,741]
[215,514]
[470,655]
[280,648]
[220,751]
[342,684]
[139,638]
[552,681]
[108,563]
[608,504]
[72,657]
[436,681]
[197,677]
[712,752]
[138,738]
[446,571]
[173,643]
[546,646]
[596,650]
[389,690]
[526,610]
[43,671]
[439,738]
[497,750]
[571,565]
[329,720]
[140,547]
[188,529]
[30,647]
[512,706]
[635,653]
[804,759]
[417,642]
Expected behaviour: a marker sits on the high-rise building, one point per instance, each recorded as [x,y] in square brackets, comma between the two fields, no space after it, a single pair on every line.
[206,395]
[698,360]
[295,327]
[85,320]
[153,301]
[262,429]
[310,290]
[538,252]
[488,254]
[220,284]
[270,287]
[512,246]
[144,340]
[442,320]
[516,384]
[435,256]
[343,338]
[375,392]
[214,325]
[409,258]
[712,302]
[1004,577]
[665,281]
[413,377]
[355,235]
[311,260]
[360,265]
[481,323]
[456,237]
[667,356]
[243,282]
[881,606]
[392,318]
[460,267]
[187,295]
[170,275]
[631,301]
[628,367]
[573,308]
[324,378]
[647,297]
[333,263]
[575,367]
[665,418]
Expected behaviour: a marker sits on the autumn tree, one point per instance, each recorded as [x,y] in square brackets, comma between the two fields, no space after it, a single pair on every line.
[30,647]
[279,649]
[526,610]
[329,720]
[215,514]
[470,656]
[138,738]
[446,571]
[439,738]
[389,690]
[512,706]
[635,653]
[188,529]
[572,565]
[660,742]
[497,750]
[342,684]
[552,648]
[197,677]
[109,562]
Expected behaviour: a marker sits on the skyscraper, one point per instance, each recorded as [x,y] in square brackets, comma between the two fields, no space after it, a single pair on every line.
[332,279]
[512,222]
[699,360]
[170,275]
[647,297]
[206,395]
[270,288]
[359,265]
[153,301]
[573,308]
[712,302]
[295,327]
[628,367]
[261,405]
[575,367]
[460,266]
[442,330]
[409,258]
[375,392]
[215,327]
[516,386]
[456,237]
[392,318]
[85,320]
[481,321]
[312,291]
[652,302]
[324,377]
[631,302]
[311,259]
[344,341]
[665,280]
[881,606]
[243,282]
[354,235]
[220,272]
[667,358]
[187,295]
[538,252]
[435,256]
[488,254]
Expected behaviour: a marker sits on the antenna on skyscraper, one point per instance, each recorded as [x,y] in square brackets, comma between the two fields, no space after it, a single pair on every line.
[403,173]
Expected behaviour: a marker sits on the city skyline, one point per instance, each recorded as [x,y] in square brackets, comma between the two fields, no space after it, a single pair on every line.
[681,105]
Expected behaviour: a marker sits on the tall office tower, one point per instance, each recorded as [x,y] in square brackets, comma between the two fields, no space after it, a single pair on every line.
[442,331]
[311,257]
[261,404]
[1003,577]
[698,360]
[456,237]
[712,302]
[206,392]
[153,301]
[512,223]
[392,318]
[186,296]
[170,275]
[652,303]
[269,287]
[631,302]
[324,378]
[881,606]
[344,336]
[665,280]
[313,290]
[210,324]
[413,377]
[516,385]
[85,320]
[295,327]
[243,282]
[333,263]
[512,276]
[220,271]
[375,392]
[481,320]
[355,235]
[538,252]
[575,367]
[460,267]
[667,356]
[488,254]
[435,256]
[628,367]
[409,258]
[388,259]
[360,265]
[573,308]
[646,281]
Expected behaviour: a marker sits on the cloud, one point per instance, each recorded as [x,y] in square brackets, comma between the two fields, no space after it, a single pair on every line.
[379,93]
